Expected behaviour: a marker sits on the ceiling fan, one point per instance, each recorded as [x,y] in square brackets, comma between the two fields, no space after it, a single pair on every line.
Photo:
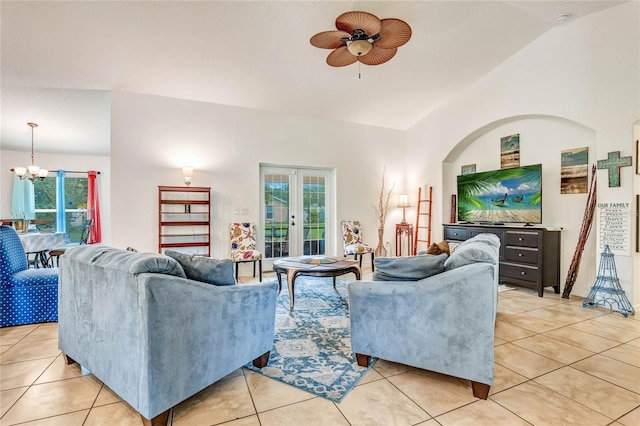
[361,36]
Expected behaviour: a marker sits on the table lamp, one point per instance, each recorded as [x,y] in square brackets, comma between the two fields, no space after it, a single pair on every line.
[404,203]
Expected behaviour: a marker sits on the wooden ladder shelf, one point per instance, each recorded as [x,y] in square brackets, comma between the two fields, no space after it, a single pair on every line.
[423,211]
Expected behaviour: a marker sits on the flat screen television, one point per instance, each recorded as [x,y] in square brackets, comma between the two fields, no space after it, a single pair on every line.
[511,195]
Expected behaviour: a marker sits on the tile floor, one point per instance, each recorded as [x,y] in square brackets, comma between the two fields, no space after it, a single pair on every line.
[556,363]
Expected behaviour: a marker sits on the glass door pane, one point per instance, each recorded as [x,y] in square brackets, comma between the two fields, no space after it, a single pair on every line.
[276,213]
[313,205]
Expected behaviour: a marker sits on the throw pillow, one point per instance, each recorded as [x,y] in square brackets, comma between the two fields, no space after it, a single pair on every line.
[205,269]
[412,268]
[471,252]
[441,247]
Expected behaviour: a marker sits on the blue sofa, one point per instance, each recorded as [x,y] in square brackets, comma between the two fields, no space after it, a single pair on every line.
[443,323]
[27,295]
[152,335]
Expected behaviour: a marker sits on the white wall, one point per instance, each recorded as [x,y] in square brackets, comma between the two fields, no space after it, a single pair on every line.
[586,71]
[51,161]
[152,137]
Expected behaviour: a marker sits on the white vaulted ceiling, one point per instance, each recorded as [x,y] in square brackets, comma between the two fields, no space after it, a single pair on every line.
[60,60]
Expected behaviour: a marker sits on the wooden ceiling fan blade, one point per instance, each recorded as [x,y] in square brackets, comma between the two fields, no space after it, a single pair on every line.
[351,21]
[341,57]
[329,39]
[393,33]
[377,56]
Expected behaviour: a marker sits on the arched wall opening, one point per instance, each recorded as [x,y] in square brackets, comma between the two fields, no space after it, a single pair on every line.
[542,140]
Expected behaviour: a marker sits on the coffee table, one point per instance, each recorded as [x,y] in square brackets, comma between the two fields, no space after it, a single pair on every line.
[313,266]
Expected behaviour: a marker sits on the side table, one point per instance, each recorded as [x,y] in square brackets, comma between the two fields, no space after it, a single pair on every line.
[404,230]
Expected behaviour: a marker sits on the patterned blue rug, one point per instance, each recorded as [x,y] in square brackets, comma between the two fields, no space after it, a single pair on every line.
[312,348]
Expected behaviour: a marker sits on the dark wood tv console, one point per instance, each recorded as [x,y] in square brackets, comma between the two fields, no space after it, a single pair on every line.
[529,255]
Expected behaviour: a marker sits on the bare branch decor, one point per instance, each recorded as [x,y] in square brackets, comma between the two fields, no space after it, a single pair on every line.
[381,215]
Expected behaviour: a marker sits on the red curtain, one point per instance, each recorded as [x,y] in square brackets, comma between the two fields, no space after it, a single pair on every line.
[93,208]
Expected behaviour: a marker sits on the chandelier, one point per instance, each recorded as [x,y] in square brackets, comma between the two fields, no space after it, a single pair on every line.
[31,172]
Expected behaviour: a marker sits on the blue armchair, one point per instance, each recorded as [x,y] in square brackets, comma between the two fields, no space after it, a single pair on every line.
[27,295]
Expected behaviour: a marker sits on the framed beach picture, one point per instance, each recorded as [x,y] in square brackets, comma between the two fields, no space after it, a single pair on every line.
[468,169]
[574,171]
[510,151]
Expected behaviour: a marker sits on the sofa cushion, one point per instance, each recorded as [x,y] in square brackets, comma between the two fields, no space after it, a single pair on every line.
[123,260]
[410,268]
[205,269]
[471,252]
[439,248]
[491,239]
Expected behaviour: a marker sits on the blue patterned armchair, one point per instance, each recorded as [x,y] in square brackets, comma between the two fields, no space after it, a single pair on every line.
[352,239]
[27,295]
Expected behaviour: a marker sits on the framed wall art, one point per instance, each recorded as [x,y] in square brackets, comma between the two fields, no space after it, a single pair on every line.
[574,171]
[510,151]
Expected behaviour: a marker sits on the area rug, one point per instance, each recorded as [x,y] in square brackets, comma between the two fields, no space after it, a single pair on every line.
[312,349]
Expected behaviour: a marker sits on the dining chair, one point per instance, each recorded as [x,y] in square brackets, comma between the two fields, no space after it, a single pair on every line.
[243,246]
[59,251]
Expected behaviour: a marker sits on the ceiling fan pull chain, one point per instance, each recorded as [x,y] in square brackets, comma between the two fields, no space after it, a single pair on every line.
[359,63]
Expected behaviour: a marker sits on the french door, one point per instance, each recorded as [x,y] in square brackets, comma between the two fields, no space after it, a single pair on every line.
[296,206]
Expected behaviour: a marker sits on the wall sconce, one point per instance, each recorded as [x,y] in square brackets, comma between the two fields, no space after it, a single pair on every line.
[187,173]
[404,203]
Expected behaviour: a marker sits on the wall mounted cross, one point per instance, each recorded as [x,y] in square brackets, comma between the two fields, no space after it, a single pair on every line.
[613,164]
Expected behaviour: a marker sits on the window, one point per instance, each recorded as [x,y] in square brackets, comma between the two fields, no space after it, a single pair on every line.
[75,209]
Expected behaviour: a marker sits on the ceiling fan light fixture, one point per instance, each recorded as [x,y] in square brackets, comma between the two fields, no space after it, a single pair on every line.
[359,47]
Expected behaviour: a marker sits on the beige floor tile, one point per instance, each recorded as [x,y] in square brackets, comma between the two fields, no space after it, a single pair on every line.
[497,341]
[577,310]
[526,304]
[42,332]
[11,335]
[24,351]
[380,403]
[503,378]
[481,413]
[120,414]
[223,401]
[430,422]
[625,353]
[557,317]
[523,361]
[313,412]
[531,323]
[611,370]
[52,399]
[554,349]
[583,340]
[635,343]
[605,330]
[3,348]
[9,397]
[435,393]
[245,421]
[617,320]
[509,332]
[58,370]
[106,396]
[371,376]
[72,419]
[631,419]
[268,393]
[541,406]
[388,368]
[603,397]
[18,374]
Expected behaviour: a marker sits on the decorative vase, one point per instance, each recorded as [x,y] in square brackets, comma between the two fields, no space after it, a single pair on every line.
[380,251]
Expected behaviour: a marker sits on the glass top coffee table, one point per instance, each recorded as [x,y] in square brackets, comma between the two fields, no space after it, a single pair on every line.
[313,266]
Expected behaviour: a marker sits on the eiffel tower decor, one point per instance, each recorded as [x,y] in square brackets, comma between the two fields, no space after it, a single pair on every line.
[607,290]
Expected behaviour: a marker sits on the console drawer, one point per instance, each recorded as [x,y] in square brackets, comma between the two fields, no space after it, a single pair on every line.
[522,239]
[454,233]
[521,255]
[519,272]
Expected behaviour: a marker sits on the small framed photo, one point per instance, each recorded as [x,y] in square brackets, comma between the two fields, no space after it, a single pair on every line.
[468,169]
[638,157]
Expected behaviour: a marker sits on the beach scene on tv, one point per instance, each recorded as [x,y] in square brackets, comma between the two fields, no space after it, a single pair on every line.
[511,195]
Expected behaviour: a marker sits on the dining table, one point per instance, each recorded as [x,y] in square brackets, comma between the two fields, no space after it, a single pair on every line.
[39,244]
